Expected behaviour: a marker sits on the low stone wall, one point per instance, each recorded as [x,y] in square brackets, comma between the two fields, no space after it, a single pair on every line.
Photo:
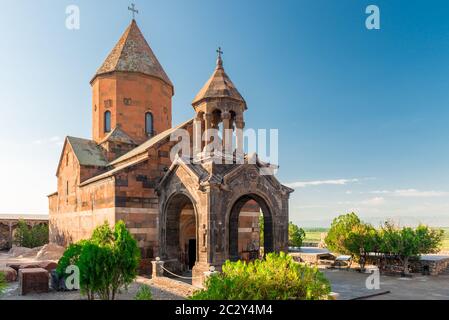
[8,225]
[433,266]
[311,255]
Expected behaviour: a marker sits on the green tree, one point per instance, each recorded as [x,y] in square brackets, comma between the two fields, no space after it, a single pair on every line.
[339,232]
[261,230]
[107,262]
[22,235]
[39,235]
[277,277]
[360,241]
[407,243]
[127,258]
[30,237]
[296,235]
[70,257]
[103,235]
[430,240]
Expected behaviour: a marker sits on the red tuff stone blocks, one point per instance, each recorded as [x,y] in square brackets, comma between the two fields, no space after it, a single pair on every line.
[33,281]
[10,274]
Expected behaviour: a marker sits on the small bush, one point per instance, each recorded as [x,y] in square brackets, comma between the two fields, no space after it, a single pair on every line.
[339,232]
[144,293]
[296,235]
[2,283]
[407,243]
[107,262]
[277,277]
[30,237]
[70,257]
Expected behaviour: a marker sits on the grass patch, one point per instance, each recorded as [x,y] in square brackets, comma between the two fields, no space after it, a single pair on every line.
[314,234]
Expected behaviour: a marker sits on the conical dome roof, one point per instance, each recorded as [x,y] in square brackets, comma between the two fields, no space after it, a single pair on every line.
[218,86]
[133,54]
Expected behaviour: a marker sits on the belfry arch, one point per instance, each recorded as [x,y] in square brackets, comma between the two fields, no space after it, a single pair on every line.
[234,252]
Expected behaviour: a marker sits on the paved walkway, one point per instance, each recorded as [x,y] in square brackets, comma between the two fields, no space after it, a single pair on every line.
[159,293]
[351,285]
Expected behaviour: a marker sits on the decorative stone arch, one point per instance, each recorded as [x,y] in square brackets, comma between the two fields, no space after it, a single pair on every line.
[245,183]
[218,193]
[170,223]
[232,223]
[177,188]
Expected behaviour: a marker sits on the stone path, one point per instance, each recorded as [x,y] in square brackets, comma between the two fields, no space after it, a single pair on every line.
[160,291]
[351,284]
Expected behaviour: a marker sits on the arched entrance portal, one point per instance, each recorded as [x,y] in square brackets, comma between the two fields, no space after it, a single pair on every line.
[181,226]
[241,245]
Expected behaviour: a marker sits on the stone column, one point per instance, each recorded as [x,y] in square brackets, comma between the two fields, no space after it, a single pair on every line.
[207,126]
[157,271]
[208,274]
[197,138]
[240,125]
[10,234]
[227,132]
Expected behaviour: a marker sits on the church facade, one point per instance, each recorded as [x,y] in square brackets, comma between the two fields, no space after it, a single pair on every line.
[192,214]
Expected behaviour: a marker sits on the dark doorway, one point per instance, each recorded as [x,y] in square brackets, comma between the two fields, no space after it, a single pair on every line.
[180,227]
[192,253]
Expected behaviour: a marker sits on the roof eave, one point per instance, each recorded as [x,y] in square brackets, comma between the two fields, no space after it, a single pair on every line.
[197,102]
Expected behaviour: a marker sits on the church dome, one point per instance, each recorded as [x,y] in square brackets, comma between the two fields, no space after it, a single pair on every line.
[218,86]
[133,54]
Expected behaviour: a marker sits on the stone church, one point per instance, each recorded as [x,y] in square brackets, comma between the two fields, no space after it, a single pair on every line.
[192,214]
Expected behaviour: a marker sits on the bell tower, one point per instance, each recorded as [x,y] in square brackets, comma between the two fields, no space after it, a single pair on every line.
[131,91]
[220,106]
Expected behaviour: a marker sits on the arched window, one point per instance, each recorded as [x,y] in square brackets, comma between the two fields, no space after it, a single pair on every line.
[149,124]
[107,121]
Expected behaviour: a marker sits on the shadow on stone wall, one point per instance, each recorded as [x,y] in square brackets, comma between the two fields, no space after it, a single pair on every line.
[59,237]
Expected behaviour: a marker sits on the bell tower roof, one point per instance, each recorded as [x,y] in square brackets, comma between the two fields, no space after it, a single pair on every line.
[218,86]
[133,54]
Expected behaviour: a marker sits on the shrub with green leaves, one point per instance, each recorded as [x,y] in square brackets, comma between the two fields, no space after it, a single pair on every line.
[30,237]
[107,262]
[277,277]
[144,293]
[296,235]
[70,257]
[2,283]
[406,243]
[360,241]
[349,235]
[339,232]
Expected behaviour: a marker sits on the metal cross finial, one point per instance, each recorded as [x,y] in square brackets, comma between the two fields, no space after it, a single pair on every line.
[219,52]
[133,9]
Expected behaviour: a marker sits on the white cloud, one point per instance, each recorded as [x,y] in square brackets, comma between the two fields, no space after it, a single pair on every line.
[373,202]
[377,201]
[380,192]
[417,193]
[412,193]
[304,184]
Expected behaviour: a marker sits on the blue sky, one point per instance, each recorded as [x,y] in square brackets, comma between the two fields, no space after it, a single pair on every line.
[363,114]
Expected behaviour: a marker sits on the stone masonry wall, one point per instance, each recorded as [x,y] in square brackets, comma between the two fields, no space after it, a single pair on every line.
[129,97]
